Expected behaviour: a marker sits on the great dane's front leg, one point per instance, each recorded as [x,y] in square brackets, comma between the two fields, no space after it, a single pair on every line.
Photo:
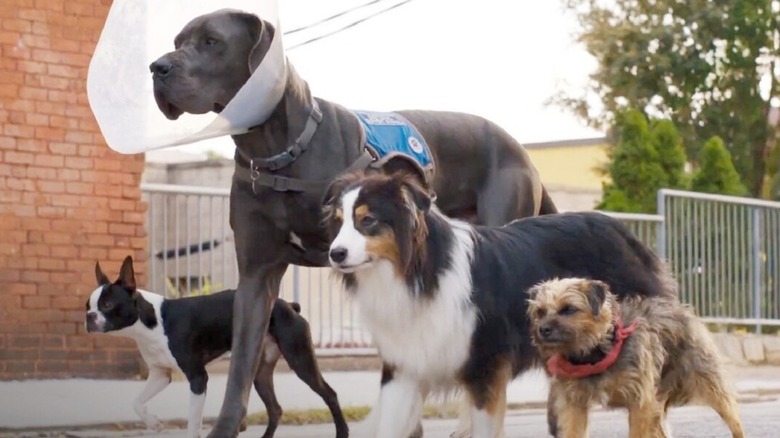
[254,300]
[158,379]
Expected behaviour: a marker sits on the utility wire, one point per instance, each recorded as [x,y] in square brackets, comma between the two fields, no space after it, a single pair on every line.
[334,16]
[353,24]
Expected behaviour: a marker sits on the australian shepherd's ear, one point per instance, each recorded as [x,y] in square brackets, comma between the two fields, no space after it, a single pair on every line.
[334,190]
[414,193]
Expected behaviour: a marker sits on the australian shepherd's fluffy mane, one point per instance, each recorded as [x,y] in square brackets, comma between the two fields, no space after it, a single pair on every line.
[446,302]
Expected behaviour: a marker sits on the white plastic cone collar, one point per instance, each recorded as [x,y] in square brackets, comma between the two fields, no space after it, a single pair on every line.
[119,84]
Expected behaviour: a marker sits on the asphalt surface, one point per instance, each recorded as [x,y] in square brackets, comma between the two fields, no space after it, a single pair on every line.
[761,420]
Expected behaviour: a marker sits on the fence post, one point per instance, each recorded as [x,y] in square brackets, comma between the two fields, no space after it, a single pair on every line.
[660,235]
[755,256]
[296,283]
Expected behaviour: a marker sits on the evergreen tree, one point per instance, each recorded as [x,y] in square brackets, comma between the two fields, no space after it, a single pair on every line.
[716,172]
[635,168]
[669,145]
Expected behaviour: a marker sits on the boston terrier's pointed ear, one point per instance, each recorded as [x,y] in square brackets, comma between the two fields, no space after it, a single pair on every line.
[127,275]
[100,276]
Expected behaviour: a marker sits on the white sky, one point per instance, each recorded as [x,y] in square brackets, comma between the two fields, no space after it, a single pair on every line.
[500,59]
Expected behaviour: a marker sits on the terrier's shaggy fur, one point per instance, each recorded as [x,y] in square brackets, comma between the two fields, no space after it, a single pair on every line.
[667,357]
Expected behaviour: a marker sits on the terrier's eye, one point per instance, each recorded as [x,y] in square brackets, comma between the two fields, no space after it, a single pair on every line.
[567,310]
[107,307]
[540,313]
[368,221]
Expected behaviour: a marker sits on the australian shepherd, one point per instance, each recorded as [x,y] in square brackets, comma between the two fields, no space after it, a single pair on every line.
[445,301]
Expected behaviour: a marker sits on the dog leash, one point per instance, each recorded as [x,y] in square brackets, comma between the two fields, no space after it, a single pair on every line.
[559,366]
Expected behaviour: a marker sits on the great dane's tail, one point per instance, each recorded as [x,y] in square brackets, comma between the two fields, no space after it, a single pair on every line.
[547,206]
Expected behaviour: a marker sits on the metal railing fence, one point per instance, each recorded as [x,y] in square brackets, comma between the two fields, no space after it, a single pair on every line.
[725,252]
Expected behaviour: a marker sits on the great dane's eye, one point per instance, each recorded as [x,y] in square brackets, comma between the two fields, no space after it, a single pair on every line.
[211,41]
[368,221]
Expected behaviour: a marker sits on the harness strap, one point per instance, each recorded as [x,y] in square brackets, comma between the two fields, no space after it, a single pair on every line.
[287,184]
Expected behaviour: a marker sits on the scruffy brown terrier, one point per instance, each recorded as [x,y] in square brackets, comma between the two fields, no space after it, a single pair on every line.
[642,354]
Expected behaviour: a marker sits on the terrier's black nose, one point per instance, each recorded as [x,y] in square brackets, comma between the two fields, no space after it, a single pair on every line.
[545,330]
[162,67]
[338,254]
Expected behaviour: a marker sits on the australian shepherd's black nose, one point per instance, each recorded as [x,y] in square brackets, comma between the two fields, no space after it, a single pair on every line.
[445,301]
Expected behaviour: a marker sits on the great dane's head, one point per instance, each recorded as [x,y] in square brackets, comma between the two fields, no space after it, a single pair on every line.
[214,56]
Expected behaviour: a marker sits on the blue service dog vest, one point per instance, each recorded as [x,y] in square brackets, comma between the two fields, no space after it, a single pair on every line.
[390,135]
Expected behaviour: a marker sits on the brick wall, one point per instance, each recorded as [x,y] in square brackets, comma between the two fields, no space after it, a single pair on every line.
[66,200]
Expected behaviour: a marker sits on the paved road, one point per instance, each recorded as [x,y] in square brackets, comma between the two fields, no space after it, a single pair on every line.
[761,420]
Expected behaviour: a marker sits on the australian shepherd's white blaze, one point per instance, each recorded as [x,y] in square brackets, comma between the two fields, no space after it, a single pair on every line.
[445,301]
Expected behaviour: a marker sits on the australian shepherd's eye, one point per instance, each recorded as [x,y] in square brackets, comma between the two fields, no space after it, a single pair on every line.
[368,221]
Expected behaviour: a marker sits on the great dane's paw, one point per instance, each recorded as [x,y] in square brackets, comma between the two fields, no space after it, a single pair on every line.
[222,431]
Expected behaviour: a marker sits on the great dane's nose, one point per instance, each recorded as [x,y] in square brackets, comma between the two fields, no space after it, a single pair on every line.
[338,254]
[162,67]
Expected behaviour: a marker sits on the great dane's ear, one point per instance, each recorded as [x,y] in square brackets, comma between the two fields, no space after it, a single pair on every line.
[127,275]
[261,34]
[597,295]
[100,276]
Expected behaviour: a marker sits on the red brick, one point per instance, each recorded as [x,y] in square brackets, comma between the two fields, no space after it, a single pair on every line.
[53,134]
[49,161]
[68,175]
[79,342]
[51,186]
[17,354]
[31,145]
[48,211]
[18,131]
[64,251]
[9,275]
[62,97]
[33,93]
[65,328]
[45,173]
[34,277]
[20,368]
[9,248]
[24,341]
[20,289]
[51,108]
[16,25]
[16,52]
[78,163]
[51,264]
[7,143]
[79,188]
[33,14]
[62,148]
[49,366]
[65,46]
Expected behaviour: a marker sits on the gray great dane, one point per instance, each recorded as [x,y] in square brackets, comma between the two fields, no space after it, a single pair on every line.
[282,167]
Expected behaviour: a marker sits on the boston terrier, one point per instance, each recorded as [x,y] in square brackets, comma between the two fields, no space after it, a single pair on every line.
[186,334]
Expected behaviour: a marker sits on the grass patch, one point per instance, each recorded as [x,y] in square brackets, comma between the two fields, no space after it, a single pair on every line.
[351,414]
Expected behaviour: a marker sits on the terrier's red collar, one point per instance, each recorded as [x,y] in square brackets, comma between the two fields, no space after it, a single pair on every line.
[559,366]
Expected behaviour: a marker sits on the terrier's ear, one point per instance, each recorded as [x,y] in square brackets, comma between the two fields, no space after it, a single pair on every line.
[533,292]
[100,276]
[127,275]
[597,295]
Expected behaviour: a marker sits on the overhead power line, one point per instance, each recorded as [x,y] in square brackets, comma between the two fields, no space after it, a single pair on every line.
[351,25]
[332,17]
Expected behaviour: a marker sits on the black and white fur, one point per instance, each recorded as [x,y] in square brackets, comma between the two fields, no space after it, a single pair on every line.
[186,334]
[445,301]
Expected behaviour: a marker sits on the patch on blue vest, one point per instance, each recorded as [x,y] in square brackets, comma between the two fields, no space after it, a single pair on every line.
[390,135]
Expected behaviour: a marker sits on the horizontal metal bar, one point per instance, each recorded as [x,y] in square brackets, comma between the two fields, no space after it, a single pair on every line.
[741,321]
[751,202]
[184,190]
[345,351]
[641,217]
